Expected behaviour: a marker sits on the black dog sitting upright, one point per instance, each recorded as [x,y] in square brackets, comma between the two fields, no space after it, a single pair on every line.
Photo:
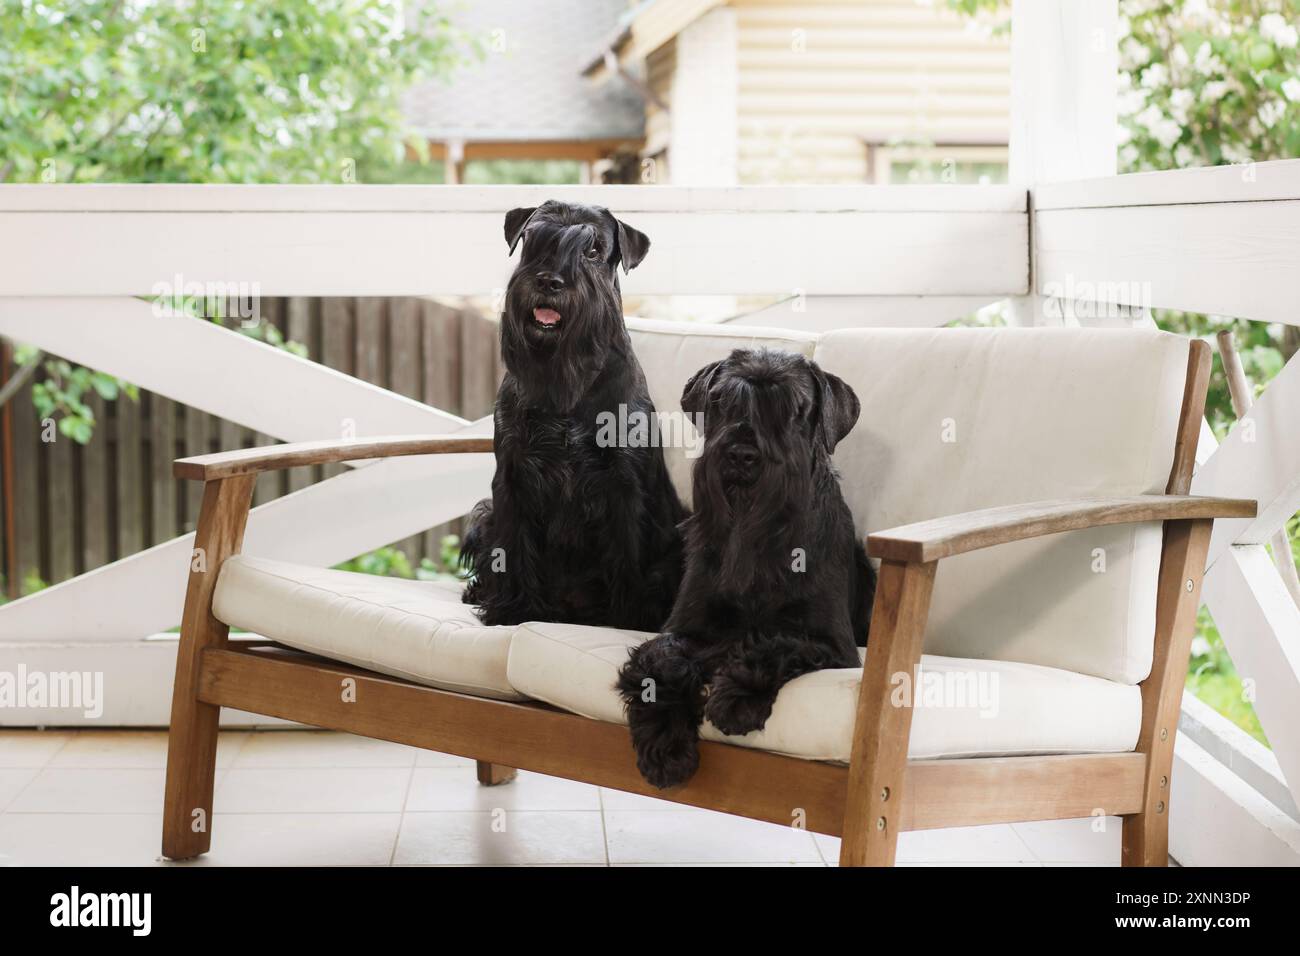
[776,582]
[576,530]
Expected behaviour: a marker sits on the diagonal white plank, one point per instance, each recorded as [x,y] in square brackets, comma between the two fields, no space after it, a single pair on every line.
[329,522]
[1260,625]
[1259,459]
[217,370]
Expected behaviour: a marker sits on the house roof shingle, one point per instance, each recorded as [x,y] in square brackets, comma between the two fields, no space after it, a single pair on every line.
[530,88]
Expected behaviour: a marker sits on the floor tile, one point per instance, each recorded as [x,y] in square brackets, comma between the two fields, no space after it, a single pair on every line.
[13,781]
[501,838]
[458,789]
[692,836]
[30,748]
[77,839]
[428,758]
[955,845]
[133,749]
[311,748]
[622,800]
[301,839]
[312,790]
[1073,841]
[92,791]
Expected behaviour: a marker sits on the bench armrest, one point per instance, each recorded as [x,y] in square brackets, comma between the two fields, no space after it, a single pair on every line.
[252,461]
[956,534]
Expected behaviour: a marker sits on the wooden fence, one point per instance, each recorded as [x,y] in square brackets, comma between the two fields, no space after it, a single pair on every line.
[78,507]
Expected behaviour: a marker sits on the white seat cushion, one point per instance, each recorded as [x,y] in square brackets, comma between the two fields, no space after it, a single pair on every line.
[417,630]
[965,708]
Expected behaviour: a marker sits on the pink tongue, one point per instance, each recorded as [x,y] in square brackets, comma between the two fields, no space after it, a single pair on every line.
[546,316]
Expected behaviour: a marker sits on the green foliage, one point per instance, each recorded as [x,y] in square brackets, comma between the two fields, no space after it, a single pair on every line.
[1207,82]
[31,583]
[1212,677]
[391,562]
[209,91]
[61,397]
[213,91]
[1263,350]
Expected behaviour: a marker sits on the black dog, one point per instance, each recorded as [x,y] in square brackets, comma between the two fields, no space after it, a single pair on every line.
[776,583]
[577,529]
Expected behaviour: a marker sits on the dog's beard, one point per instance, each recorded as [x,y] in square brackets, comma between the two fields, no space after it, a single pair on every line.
[746,523]
[556,363]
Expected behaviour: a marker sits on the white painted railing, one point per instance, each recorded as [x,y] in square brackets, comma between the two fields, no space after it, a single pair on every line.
[74,256]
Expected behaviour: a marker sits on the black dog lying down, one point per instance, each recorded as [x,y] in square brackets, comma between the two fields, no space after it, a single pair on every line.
[776,583]
[575,531]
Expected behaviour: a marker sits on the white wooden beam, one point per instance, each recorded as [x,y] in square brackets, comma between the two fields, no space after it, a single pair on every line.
[142,594]
[217,370]
[1216,819]
[1237,750]
[1232,258]
[1260,459]
[1260,626]
[1064,100]
[1064,60]
[415,240]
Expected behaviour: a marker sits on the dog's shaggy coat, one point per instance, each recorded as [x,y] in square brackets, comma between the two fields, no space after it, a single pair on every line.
[776,582]
[577,530]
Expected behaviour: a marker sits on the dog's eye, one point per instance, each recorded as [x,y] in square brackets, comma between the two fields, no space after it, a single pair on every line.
[593,253]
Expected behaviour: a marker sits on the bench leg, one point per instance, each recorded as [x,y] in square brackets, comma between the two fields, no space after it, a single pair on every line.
[192,741]
[1182,566]
[492,775]
[873,808]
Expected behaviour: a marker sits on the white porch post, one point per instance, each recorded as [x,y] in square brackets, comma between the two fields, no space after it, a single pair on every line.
[1064,65]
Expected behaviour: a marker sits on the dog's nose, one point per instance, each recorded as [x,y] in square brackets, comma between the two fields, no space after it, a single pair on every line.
[550,281]
[742,456]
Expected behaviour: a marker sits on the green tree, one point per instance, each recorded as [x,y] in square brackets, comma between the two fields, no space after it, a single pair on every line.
[203,91]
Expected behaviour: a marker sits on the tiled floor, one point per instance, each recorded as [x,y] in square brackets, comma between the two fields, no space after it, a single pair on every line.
[309,798]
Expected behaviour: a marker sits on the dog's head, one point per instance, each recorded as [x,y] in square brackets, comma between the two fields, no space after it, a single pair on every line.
[771,420]
[566,283]
[768,416]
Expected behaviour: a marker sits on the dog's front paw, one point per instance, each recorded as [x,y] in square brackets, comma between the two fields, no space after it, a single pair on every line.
[668,765]
[737,710]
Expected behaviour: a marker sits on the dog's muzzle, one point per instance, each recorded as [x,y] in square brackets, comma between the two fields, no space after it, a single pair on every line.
[740,463]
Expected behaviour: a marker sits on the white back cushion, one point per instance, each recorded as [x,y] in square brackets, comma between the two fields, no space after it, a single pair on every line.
[671,352]
[959,419]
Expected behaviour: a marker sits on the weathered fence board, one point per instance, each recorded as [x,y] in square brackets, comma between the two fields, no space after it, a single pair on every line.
[79,507]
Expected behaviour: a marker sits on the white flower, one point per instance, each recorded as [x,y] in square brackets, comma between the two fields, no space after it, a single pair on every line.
[1196,9]
[1179,56]
[1130,101]
[1206,62]
[1200,646]
[1183,155]
[1128,156]
[1135,52]
[1155,76]
[1160,126]
[1273,26]
[1180,101]
[1214,90]
[1291,89]
[1271,112]
[1234,153]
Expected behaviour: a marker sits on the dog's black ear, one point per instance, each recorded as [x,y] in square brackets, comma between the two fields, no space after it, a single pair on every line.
[516,219]
[837,408]
[696,392]
[632,246]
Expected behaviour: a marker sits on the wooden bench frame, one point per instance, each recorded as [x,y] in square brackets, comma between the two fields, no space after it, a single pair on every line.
[868,803]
